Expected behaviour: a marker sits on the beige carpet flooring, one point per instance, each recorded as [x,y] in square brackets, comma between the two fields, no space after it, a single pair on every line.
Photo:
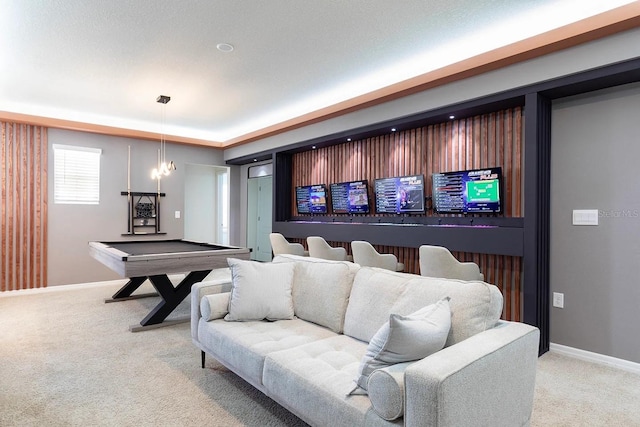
[68,359]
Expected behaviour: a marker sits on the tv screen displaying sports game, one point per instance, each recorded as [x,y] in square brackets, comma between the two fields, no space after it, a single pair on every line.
[349,197]
[403,194]
[468,191]
[311,199]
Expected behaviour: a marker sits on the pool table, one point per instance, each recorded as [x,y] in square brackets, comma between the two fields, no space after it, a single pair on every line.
[153,260]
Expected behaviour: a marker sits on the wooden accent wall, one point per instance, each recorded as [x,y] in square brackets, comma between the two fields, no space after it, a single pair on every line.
[23,205]
[506,273]
[487,140]
[482,141]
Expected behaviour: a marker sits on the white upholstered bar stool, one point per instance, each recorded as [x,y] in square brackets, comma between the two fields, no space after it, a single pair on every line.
[366,255]
[319,248]
[436,261]
[280,245]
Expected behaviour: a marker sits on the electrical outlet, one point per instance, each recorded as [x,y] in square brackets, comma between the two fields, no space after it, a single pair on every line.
[558,300]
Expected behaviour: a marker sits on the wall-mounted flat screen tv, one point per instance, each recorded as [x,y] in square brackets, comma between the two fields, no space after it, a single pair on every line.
[403,194]
[468,191]
[349,197]
[311,199]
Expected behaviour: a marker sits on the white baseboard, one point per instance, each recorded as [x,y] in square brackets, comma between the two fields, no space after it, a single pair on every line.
[601,359]
[58,288]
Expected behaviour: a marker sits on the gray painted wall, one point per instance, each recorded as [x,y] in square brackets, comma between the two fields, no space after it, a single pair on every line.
[71,227]
[595,152]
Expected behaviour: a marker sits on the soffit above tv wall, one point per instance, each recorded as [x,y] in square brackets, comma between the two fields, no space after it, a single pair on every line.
[583,82]
[96,67]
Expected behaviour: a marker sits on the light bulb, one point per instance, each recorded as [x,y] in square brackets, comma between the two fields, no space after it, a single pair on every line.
[163,169]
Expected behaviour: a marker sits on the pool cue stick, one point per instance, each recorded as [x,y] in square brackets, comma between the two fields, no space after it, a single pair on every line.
[129,201]
[157,207]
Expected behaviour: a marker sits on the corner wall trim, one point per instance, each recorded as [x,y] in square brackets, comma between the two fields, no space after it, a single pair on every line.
[600,359]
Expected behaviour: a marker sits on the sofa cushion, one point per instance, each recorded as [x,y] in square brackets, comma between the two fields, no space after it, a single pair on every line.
[321,289]
[406,338]
[386,390]
[377,293]
[373,295]
[242,346]
[260,291]
[317,377]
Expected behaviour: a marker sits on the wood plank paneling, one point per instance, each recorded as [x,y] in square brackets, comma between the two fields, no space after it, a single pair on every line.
[487,140]
[23,201]
[483,141]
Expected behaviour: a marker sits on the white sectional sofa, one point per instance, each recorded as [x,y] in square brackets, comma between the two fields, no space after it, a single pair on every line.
[309,362]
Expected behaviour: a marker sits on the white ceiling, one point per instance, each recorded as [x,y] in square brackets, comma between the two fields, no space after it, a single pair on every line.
[106,61]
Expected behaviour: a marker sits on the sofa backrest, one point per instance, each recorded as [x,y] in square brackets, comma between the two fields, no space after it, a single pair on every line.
[321,289]
[377,293]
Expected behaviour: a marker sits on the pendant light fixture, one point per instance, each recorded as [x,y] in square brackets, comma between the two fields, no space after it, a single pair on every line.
[163,168]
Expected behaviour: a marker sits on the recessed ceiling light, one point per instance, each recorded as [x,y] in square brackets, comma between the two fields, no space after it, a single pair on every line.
[224,47]
[313,147]
[255,160]
[348,139]
[452,117]
[393,129]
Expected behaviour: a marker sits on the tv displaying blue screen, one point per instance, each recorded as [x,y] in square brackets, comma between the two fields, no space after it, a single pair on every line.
[403,194]
[468,191]
[349,197]
[311,199]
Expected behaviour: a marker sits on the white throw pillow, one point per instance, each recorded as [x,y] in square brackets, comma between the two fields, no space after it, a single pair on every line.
[406,338]
[260,291]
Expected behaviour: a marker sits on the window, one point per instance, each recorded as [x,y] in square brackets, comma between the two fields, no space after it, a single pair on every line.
[76,175]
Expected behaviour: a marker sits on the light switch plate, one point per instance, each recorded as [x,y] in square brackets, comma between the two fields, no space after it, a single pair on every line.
[177,214]
[585,217]
[558,299]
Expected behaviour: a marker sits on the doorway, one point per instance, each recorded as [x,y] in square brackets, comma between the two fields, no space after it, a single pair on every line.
[206,204]
[259,215]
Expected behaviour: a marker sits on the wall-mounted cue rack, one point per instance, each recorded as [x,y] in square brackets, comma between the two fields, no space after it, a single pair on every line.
[143,216]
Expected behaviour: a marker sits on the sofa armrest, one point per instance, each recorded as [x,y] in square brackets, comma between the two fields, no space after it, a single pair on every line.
[485,380]
[200,289]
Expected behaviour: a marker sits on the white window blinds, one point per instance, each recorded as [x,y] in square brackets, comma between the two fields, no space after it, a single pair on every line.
[76,174]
